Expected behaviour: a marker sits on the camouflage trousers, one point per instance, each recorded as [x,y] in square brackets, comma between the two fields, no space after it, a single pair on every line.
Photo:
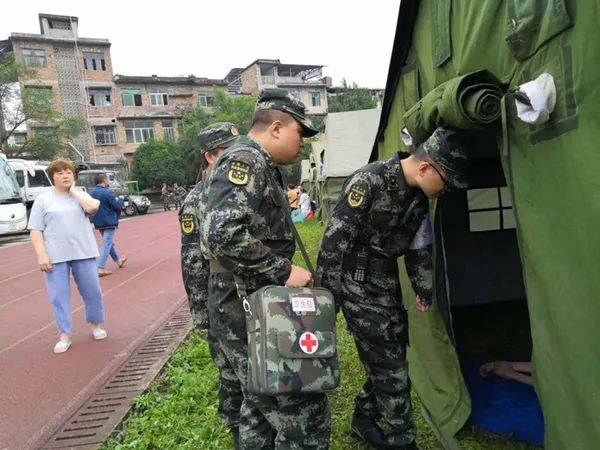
[230,393]
[266,422]
[378,322]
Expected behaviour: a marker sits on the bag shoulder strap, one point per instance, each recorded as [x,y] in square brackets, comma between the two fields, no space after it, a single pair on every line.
[280,201]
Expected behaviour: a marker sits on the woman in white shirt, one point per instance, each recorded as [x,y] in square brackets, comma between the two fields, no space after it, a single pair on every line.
[304,202]
[63,240]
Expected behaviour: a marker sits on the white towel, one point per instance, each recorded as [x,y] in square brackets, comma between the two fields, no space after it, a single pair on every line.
[406,137]
[542,95]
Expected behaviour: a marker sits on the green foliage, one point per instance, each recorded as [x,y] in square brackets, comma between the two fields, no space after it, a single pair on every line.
[157,162]
[352,98]
[180,408]
[226,108]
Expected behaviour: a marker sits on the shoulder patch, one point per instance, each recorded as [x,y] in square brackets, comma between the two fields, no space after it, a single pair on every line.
[188,224]
[239,173]
[356,196]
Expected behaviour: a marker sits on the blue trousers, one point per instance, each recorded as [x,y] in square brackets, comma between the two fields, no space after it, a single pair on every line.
[108,247]
[58,284]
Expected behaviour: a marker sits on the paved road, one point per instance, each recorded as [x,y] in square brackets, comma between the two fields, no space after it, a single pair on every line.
[40,390]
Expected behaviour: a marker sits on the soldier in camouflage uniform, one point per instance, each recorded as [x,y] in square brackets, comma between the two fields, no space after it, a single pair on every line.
[212,140]
[246,234]
[382,214]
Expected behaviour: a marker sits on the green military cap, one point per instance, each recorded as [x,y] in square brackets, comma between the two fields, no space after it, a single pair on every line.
[447,152]
[217,135]
[283,100]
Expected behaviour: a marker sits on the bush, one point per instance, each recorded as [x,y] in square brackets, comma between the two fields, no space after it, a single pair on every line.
[157,162]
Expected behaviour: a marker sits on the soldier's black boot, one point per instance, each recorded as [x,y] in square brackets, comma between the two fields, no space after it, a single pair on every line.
[366,429]
[235,437]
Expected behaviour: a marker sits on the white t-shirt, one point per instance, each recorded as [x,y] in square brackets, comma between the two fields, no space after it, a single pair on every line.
[67,231]
[305,203]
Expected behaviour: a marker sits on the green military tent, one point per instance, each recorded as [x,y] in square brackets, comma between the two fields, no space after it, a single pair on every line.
[526,229]
[344,147]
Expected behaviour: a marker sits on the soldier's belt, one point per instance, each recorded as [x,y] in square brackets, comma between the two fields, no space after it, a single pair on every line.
[375,264]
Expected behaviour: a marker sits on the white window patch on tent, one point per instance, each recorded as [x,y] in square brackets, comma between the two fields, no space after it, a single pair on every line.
[490,209]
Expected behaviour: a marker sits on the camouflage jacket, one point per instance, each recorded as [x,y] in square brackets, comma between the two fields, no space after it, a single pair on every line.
[378,210]
[194,267]
[242,227]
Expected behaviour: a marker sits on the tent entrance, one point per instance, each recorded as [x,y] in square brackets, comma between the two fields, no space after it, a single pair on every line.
[479,274]
[483,274]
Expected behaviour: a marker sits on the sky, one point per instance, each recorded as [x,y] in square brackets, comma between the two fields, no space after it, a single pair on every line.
[207,38]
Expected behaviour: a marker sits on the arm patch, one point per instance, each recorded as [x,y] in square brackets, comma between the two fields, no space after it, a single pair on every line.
[239,173]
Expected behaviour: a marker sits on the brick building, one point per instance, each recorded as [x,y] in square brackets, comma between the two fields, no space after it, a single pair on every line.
[121,111]
[304,81]
[150,106]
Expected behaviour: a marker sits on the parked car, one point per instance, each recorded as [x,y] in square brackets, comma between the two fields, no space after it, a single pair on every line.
[31,177]
[13,214]
[134,204]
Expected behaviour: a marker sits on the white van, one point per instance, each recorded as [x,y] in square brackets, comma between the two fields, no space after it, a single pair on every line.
[13,214]
[31,178]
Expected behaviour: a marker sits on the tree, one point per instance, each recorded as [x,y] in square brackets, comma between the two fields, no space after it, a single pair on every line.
[33,105]
[157,162]
[238,109]
[352,98]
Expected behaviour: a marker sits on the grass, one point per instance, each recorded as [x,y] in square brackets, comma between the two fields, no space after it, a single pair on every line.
[179,410]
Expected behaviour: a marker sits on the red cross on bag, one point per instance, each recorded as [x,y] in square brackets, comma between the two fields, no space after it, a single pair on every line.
[309,343]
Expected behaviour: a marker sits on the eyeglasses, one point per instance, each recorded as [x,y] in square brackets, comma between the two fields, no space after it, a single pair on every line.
[442,177]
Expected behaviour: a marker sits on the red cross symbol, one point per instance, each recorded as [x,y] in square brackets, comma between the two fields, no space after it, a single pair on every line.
[309,343]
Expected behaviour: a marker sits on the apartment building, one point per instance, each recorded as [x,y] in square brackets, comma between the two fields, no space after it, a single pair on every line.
[305,81]
[149,106]
[121,111]
[68,68]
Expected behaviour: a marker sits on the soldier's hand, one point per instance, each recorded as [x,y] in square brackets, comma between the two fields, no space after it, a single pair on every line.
[421,306]
[299,277]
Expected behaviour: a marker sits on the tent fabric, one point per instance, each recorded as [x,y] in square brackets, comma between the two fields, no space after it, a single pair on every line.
[348,140]
[552,173]
[344,148]
[469,102]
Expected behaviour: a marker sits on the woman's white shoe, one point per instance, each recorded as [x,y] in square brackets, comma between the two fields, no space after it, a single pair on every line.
[99,334]
[62,346]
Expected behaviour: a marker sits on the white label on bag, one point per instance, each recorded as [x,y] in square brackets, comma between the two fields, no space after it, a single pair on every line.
[301,304]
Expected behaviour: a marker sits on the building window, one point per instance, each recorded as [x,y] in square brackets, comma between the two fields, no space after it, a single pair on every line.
[99,97]
[159,98]
[131,97]
[34,58]
[17,139]
[490,209]
[138,132]
[105,135]
[295,93]
[206,100]
[94,61]
[315,98]
[168,130]
[59,24]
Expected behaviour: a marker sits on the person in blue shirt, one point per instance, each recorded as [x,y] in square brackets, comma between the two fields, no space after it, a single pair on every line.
[106,222]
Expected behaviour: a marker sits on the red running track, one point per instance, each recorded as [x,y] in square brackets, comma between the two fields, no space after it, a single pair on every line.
[40,390]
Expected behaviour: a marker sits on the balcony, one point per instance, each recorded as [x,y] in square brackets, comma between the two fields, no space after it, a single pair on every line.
[272,81]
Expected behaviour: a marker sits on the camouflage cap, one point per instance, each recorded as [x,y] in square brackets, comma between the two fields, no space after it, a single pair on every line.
[448,154]
[283,100]
[217,135]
